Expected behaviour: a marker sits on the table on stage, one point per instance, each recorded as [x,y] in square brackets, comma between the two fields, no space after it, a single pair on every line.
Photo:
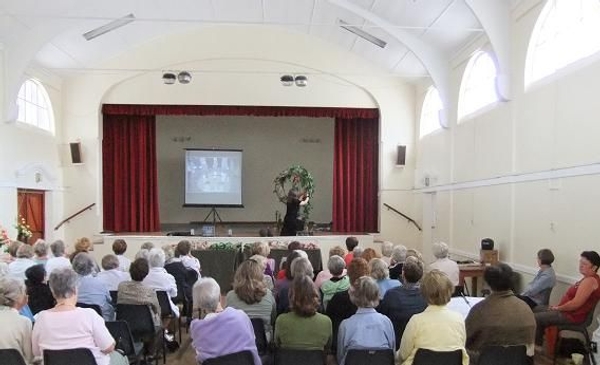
[473,271]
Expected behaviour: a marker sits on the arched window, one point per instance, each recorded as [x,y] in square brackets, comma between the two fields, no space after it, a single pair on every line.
[478,87]
[34,106]
[566,31]
[430,113]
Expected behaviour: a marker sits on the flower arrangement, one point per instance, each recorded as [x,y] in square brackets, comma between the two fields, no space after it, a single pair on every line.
[4,239]
[23,229]
[300,179]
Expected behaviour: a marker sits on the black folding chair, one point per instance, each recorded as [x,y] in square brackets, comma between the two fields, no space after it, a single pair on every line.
[79,356]
[370,357]
[581,328]
[95,307]
[165,309]
[11,357]
[505,355]
[124,340]
[260,336]
[139,319]
[238,358]
[299,357]
[114,296]
[430,357]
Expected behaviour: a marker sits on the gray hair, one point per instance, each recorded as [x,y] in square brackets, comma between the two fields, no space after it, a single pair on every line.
[386,248]
[25,252]
[156,257]
[58,248]
[398,254]
[83,264]
[378,269]
[302,253]
[169,252]
[207,294]
[440,250]
[40,248]
[63,282]
[12,291]
[142,254]
[262,261]
[358,251]
[336,265]
[110,262]
[147,246]
[301,266]
[364,293]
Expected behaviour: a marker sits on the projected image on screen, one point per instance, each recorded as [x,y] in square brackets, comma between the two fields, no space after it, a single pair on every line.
[213,177]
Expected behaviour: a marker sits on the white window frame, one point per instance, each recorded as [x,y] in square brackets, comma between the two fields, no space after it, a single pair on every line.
[482,86]
[34,106]
[430,121]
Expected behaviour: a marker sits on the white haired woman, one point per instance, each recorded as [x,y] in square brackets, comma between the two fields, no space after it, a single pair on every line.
[219,331]
[159,279]
[397,261]
[66,326]
[91,290]
[15,332]
[444,264]
[379,271]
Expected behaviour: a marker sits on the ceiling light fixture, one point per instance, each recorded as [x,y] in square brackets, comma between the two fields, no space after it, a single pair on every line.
[287,80]
[184,77]
[169,78]
[109,27]
[361,33]
[301,81]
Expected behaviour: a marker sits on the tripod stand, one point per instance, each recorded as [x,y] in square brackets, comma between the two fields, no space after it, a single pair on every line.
[215,216]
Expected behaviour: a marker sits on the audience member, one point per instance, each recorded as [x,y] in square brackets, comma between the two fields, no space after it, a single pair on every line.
[147,246]
[38,291]
[219,332]
[300,266]
[386,251]
[263,249]
[58,260]
[66,326]
[501,319]
[12,250]
[112,276]
[159,279]
[402,302]
[325,275]
[577,302]
[250,295]
[397,261]
[537,293]
[142,254]
[135,292]
[267,279]
[184,249]
[15,331]
[90,289]
[119,247]
[16,269]
[40,248]
[339,281]
[366,329]
[184,278]
[369,254]
[351,243]
[443,263]
[284,283]
[380,272]
[292,246]
[437,328]
[303,328]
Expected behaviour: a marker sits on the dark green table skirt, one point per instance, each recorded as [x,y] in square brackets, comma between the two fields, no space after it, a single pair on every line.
[219,265]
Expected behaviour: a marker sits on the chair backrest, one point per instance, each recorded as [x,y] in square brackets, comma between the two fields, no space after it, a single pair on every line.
[79,356]
[95,307]
[370,357]
[165,303]
[139,319]
[238,358]
[429,357]
[505,355]
[260,335]
[299,357]
[113,296]
[122,335]
[11,357]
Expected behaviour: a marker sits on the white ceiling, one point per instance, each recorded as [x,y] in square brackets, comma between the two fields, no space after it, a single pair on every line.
[446,25]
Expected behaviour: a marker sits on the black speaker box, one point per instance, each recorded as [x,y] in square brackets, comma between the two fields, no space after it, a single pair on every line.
[401,156]
[76,152]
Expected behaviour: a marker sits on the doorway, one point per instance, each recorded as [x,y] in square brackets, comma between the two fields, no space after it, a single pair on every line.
[31,206]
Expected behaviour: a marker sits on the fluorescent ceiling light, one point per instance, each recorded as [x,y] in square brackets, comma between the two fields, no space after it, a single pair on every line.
[117,23]
[361,33]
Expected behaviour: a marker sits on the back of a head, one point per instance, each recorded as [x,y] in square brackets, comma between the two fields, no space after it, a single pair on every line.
[303,296]
[207,294]
[440,250]
[184,247]
[545,256]
[147,246]
[13,247]
[138,269]
[109,262]
[436,288]
[358,251]
[364,293]
[119,246]
[63,282]
[25,252]
[35,274]
[369,254]
[83,264]
[288,269]
[412,271]
[12,291]
[58,248]
[260,248]
[398,254]
[40,248]
[156,257]
[337,250]
[379,269]
[83,245]
[248,282]
[294,245]
[351,242]
[386,248]
[498,277]
[358,267]
[336,265]
[301,266]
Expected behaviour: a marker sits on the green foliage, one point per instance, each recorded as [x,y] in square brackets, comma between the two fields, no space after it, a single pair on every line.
[296,177]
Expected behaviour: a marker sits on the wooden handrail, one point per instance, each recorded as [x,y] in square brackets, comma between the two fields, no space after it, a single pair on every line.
[73,216]
[403,215]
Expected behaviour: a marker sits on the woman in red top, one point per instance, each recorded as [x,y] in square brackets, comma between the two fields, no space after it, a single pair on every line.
[577,302]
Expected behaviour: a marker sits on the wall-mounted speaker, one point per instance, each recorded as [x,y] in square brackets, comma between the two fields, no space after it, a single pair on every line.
[401,156]
[76,152]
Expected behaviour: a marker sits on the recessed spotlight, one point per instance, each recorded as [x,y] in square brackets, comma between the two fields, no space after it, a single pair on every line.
[169,78]
[287,80]
[184,77]
[301,81]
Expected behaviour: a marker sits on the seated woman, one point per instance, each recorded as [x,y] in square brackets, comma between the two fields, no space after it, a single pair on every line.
[437,328]
[325,275]
[578,301]
[444,264]
[15,332]
[91,290]
[184,279]
[300,266]
[303,328]
[38,291]
[219,332]
[111,276]
[368,254]
[250,295]
[159,279]
[501,319]
[263,249]
[338,282]
[184,252]
[539,289]
[24,260]
[284,283]
[267,279]
[380,272]
[386,251]
[40,248]
[397,261]
[66,326]
[134,292]
[366,329]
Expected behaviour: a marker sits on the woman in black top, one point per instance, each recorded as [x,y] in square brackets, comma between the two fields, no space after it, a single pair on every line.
[40,296]
[291,222]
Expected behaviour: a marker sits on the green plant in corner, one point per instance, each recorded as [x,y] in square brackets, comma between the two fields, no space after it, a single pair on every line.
[295,177]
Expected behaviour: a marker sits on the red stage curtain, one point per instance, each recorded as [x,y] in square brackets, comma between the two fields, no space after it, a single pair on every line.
[129,171]
[355,175]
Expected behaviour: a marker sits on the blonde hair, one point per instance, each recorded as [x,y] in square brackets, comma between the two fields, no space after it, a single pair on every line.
[248,282]
[436,288]
[261,248]
[83,245]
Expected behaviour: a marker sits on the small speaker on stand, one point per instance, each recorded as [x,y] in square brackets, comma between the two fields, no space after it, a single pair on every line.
[76,157]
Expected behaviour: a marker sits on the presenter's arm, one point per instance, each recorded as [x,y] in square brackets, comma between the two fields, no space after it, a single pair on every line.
[304,201]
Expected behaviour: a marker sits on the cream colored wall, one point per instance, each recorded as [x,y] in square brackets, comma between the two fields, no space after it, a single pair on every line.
[550,126]
[273,145]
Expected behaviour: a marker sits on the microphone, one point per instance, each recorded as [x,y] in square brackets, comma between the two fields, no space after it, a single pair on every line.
[465,299]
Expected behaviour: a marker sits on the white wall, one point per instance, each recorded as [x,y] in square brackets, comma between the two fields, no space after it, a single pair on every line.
[552,125]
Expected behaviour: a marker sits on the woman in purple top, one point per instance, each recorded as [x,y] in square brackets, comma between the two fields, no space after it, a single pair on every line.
[219,332]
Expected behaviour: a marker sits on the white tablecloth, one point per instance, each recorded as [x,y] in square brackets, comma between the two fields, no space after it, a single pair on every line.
[463,305]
